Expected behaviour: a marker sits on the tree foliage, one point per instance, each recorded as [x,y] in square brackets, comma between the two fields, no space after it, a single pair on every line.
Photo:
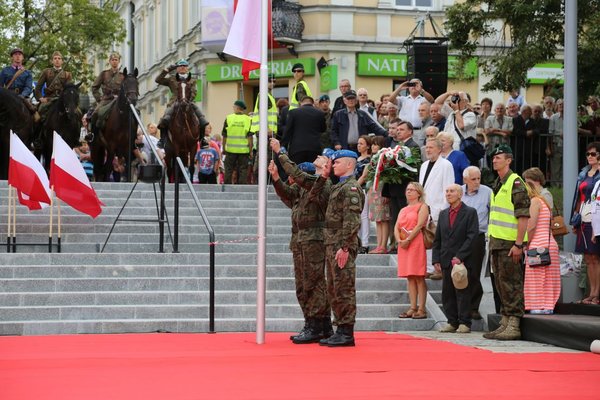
[76,28]
[514,35]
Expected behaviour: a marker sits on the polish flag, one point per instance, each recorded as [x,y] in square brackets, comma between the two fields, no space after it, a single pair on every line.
[69,181]
[244,40]
[27,175]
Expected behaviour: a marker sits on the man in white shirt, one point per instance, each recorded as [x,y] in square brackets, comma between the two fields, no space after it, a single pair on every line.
[409,105]
[459,118]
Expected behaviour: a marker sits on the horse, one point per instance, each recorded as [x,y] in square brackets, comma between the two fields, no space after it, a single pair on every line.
[184,130]
[14,116]
[64,117]
[116,137]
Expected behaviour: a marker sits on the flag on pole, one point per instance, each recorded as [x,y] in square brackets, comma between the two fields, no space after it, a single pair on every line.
[69,181]
[243,40]
[27,175]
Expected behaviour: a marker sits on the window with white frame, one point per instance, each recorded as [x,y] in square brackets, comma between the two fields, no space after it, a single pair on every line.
[414,3]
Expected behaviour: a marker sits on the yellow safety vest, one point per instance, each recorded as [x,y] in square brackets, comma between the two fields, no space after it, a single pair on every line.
[503,223]
[293,101]
[238,126]
[271,116]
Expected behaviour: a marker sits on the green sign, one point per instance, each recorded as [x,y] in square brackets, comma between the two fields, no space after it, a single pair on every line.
[281,69]
[198,97]
[394,65]
[541,73]
[329,78]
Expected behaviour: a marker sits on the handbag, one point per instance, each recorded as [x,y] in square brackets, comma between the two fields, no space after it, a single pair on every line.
[558,226]
[428,232]
[470,146]
[540,256]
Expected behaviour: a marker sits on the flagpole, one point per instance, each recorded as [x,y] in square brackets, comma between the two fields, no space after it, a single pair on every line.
[14,221]
[51,215]
[8,224]
[262,177]
[58,224]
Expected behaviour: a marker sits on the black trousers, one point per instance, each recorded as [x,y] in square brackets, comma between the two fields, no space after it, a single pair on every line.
[456,302]
[477,255]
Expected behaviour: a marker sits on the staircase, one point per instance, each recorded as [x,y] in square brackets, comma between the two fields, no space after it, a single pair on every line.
[130,287]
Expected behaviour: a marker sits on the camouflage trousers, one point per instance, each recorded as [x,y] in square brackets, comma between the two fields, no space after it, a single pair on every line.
[341,285]
[236,162]
[508,278]
[309,273]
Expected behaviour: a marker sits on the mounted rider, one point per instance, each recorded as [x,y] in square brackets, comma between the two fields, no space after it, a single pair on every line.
[173,82]
[18,79]
[55,78]
[109,82]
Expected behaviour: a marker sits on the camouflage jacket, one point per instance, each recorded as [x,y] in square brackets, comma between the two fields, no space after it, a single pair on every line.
[55,81]
[173,84]
[344,202]
[109,82]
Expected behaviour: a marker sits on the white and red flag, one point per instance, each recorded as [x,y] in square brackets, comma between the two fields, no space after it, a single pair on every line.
[27,175]
[69,181]
[243,40]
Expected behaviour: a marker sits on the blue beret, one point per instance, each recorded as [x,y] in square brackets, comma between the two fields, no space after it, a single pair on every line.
[328,152]
[344,153]
[307,167]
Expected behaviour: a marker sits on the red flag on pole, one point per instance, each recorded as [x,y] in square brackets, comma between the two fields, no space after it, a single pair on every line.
[27,175]
[69,180]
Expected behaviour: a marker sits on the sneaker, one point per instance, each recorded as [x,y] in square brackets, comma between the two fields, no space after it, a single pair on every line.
[462,328]
[448,329]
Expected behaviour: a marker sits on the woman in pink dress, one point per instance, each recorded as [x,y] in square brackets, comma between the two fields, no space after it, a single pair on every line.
[542,284]
[412,261]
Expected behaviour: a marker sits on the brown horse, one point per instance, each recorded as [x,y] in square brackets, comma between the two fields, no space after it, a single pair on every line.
[118,134]
[14,116]
[184,130]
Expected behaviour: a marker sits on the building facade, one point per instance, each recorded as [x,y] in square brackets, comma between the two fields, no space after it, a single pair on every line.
[360,40]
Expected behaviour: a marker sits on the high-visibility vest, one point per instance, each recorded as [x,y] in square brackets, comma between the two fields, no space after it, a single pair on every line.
[238,126]
[294,103]
[503,223]
[272,114]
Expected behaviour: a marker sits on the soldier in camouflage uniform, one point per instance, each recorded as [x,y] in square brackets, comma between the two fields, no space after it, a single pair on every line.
[307,246]
[106,89]
[55,79]
[344,203]
[507,231]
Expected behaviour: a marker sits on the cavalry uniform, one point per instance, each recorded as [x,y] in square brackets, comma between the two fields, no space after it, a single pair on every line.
[238,145]
[309,266]
[106,86]
[509,201]
[55,81]
[19,80]
[344,202]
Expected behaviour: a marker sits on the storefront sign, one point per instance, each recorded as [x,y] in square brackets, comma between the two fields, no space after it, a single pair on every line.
[281,69]
[394,65]
[541,73]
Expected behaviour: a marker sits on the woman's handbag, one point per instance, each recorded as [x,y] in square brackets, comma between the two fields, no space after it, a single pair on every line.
[540,256]
[558,224]
[428,233]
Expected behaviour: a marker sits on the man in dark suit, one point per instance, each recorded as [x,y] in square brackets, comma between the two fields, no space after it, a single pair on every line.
[303,129]
[458,226]
[395,191]
[349,123]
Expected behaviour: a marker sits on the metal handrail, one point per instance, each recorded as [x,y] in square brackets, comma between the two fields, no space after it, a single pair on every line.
[181,169]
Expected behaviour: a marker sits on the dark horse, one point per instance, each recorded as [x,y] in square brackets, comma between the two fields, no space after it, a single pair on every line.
[184,130]
[13,115]
[117,136]
[64,117]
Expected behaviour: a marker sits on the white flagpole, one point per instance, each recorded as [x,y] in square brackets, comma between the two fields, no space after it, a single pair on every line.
[262,177]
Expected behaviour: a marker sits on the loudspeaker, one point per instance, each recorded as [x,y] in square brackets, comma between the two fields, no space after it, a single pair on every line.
[429,63]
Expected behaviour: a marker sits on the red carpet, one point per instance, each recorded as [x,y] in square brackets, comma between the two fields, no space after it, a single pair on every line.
[233,366]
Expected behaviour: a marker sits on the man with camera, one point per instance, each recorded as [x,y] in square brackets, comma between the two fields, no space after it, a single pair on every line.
[409,104]
[460,120]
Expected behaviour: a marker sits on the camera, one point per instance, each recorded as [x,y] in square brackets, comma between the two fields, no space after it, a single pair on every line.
[455,99]
[411,84]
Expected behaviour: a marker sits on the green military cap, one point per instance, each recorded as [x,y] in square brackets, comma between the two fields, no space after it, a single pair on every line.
[240,104]
[114,54]
[57,53]
[502,149]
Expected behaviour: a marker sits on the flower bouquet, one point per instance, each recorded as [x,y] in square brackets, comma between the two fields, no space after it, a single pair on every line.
[397,165]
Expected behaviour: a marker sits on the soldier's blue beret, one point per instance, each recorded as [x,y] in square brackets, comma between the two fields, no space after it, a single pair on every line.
[502,149]
[182,62]
[307,167]
[344,153]
[328,152]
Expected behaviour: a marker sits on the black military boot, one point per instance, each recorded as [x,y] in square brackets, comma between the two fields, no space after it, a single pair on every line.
[327,328]
[164,133]
[313,334]
[343,337]
[301,332]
